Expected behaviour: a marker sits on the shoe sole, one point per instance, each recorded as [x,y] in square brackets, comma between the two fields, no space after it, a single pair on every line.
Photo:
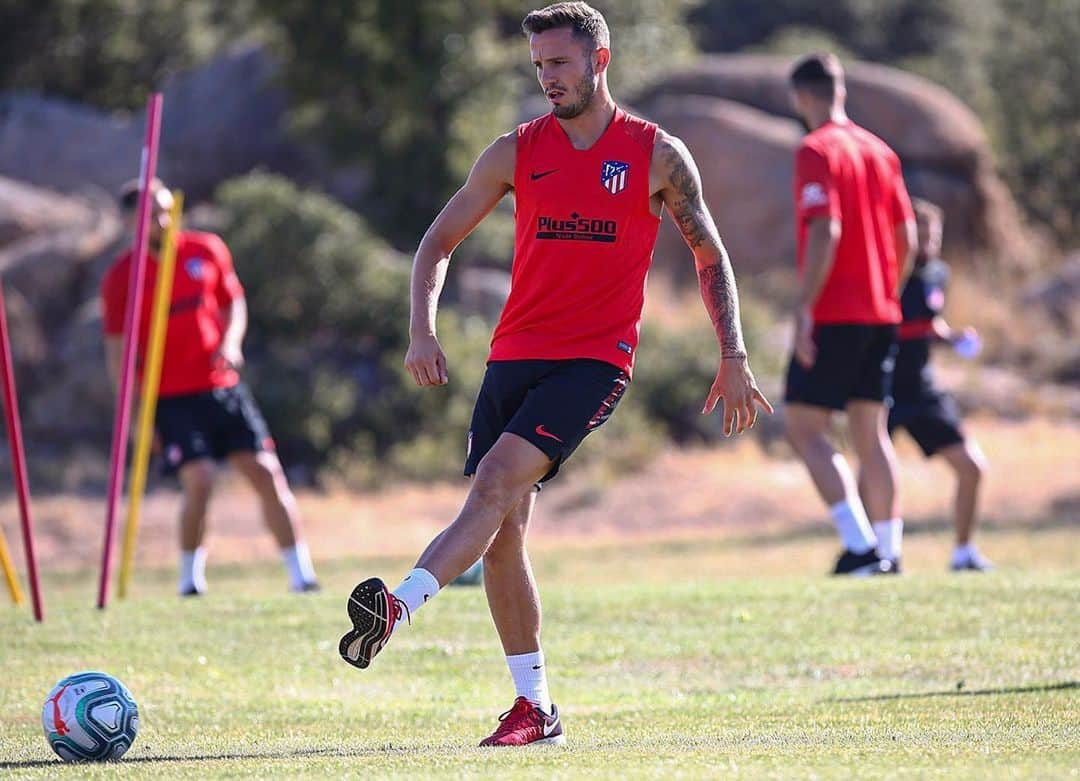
[554,740]
[368,611]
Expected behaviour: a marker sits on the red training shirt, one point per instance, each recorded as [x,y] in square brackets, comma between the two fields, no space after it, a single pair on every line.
[204,286]
[584,240]
[846,173]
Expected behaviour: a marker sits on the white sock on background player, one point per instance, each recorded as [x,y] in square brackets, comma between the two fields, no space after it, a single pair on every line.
[530,678]
[298,564]
[418,587]
[890,538]
[193,570]
[853,525]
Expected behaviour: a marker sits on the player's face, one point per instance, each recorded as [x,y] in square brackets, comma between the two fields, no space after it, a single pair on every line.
[565,70]
[160,205]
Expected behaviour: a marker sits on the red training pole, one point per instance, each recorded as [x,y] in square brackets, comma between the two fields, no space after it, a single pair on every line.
[131,340]
[18,459]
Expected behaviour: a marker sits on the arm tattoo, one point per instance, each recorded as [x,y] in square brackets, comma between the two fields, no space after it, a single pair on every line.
[686,204]
[717,280]
[721,299]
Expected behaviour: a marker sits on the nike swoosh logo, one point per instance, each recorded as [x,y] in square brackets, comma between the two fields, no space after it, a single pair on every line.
[549,728]
[542,174]
[540,430]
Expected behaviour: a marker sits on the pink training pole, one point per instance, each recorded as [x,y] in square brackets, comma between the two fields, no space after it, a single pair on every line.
[131,340]
[18,459]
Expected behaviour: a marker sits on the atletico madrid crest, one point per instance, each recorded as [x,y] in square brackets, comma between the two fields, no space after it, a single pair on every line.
[613,176]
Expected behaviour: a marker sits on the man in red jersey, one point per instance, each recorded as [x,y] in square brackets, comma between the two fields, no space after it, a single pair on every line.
[204,412]
[855,244]
[590,183]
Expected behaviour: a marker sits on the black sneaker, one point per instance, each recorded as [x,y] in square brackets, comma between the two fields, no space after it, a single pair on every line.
[373,611]
[310,586]
[862,564]
[894,567]
[191,591]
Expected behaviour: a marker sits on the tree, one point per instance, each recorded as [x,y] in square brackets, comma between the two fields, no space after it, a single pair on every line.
[110,53]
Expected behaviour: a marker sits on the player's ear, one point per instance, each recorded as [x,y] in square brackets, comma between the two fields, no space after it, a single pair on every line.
[602,57]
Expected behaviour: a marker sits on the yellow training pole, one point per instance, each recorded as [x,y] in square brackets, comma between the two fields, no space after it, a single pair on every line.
[151,379]
[9,571]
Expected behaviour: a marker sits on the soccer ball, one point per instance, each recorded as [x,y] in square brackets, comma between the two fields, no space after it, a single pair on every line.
[90,716]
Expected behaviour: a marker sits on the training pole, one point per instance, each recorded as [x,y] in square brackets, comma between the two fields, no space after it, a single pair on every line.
[10,577]
[18,460]
[147,169]
[144,434]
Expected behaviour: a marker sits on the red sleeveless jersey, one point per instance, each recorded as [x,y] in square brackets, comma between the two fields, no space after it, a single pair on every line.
[584,240]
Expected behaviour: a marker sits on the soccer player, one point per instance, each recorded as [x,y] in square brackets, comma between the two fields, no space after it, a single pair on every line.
[928,413]
[856,234]
[205,413]
[590,183]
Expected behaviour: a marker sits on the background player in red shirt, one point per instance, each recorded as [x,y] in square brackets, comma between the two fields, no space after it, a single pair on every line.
[204,411]
[928,413]
[590,183]
[856,234]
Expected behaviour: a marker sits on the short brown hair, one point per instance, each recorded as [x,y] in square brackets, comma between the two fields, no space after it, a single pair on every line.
[927,212]
[820,74]
[582,19]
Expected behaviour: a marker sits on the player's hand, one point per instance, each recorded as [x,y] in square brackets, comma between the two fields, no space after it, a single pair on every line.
[966,343]
[735,384]
[230,355]
[805,349]
[426,361]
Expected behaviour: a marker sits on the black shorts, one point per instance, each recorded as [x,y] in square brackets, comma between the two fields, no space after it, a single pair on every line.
[854,362]
[552,404]
[933,421]
[212,424]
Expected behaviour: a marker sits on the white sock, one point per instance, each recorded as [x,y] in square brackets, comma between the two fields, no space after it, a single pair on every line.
[299,566]
[193,570]
[855,532]
[890,538]
[418,587]
[530,678]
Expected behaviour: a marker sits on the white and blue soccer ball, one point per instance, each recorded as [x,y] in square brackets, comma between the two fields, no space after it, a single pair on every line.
[90,717]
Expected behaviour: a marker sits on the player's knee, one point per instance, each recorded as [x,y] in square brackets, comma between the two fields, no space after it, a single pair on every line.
[494,484]
[197,479]
[973,467]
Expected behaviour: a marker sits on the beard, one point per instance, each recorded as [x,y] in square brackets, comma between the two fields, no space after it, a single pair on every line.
[586,88]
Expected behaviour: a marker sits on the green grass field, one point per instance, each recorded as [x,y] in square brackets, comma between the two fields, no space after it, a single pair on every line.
[664,665]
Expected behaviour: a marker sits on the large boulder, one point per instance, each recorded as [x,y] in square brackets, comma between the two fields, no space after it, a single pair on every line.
[940,141]
[219,120]
[53,252]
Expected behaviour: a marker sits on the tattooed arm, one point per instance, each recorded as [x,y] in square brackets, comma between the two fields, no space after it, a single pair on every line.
[683,198]
[678,186]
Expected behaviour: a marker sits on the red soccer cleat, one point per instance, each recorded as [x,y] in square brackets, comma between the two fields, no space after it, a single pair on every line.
[525,724]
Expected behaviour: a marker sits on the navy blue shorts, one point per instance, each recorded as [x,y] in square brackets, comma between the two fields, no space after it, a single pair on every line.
[212,424]
[552,404]
[933,421]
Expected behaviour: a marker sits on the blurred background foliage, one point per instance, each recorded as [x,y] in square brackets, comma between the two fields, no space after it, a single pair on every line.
[410,91]
[414,89]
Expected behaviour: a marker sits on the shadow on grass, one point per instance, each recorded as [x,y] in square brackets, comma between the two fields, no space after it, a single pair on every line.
[221,756]
[960,692]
